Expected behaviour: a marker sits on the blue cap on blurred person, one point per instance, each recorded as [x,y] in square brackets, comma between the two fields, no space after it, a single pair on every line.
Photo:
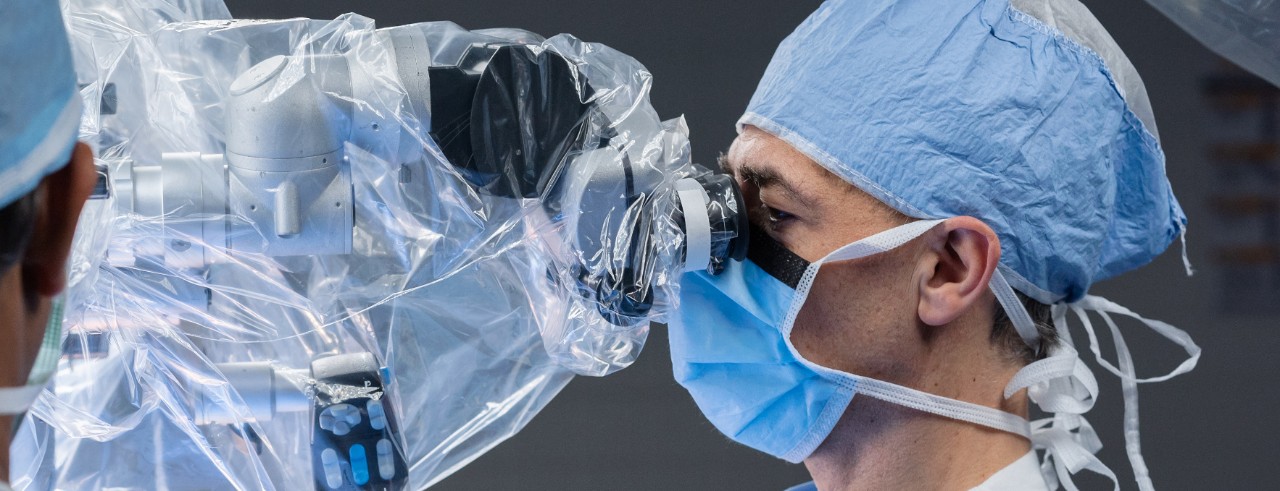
[1024,114]
[39,102]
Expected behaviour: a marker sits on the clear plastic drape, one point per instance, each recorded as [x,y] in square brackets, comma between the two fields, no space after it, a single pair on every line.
[1246,32]
[344,256]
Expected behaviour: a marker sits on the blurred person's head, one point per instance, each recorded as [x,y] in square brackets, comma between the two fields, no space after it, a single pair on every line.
[45,178]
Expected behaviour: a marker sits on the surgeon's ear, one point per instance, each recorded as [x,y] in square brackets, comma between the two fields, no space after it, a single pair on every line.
[961,255]
[65,191]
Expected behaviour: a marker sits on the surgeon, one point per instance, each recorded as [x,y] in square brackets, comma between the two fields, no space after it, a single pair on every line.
[933,185]
[45,178]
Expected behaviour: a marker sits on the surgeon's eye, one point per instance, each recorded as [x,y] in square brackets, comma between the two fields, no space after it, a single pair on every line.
[777,218]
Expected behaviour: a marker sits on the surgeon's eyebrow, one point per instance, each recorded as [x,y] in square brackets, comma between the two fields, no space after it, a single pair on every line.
[764,178]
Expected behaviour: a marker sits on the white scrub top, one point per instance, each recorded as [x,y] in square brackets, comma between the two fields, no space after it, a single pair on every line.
[1022,475]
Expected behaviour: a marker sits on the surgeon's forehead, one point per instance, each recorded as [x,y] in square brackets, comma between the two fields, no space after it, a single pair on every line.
[755,152]
[826,193]
[759,157]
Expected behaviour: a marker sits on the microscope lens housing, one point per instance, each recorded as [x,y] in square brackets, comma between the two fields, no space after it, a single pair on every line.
[532,130]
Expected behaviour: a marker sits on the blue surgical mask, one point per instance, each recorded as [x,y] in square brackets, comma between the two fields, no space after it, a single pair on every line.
[731,348]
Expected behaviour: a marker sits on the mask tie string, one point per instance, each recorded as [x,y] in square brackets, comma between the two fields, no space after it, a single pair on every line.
[1062,385]
[1127,372]
[897,394]
[1070,445]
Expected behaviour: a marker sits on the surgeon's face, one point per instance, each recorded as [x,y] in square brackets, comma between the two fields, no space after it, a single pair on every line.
[28,287]
[860,316]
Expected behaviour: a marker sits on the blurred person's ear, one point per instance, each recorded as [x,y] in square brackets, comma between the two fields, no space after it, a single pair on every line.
[65,192]
[961,256]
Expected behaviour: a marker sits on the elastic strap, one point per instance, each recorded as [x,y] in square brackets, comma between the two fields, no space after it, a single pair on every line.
[945,407]
[881,242]
[1014,309]
[875,244]
[889,392]
[774,258]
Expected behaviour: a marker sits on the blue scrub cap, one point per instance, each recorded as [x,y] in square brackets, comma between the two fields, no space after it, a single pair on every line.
[1024,114]
[39,102]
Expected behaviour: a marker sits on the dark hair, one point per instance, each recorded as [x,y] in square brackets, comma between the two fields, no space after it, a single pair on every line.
[17,220]
[1006,336]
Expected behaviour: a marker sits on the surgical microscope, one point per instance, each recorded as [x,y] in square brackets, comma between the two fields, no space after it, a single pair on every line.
[283,188]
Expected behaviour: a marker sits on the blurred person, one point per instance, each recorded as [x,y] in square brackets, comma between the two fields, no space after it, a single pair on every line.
[933,186]
[45,178]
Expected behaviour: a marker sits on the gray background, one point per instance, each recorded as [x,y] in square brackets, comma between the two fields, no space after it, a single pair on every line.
[1211,429]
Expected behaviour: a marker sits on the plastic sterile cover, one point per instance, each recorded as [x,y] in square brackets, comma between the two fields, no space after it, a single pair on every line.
[333,254]
[1246,32]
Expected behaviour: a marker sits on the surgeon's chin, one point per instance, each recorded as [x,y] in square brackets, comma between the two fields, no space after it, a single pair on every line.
[871,437]
[882,445]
